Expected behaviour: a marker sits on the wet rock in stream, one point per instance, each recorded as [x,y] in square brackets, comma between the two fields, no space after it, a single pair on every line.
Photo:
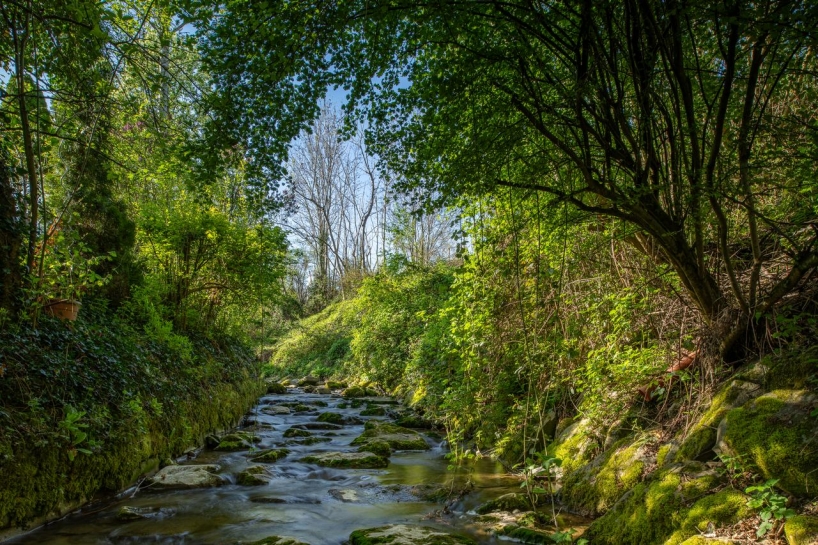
[187,476]
[405,534]
[397,437]
[268,455]
[253,476]
[350,460]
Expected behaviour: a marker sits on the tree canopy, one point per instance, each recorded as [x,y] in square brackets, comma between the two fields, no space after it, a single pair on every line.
[690,121]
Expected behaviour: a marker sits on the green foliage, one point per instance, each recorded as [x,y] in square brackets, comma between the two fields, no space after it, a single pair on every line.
[771,506]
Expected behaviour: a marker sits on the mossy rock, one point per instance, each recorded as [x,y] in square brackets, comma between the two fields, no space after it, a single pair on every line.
[339,419]
[699,442]
[353,391]
[801,530]
[575,445]
[413,421]
[779,436]
[722,508]
[343,405]
[276,388]
[309,380]
[506,502]
[296,432]
[269,455]
[381,448]
[656,508]
[278,540]
[240,440]
[319,426]
[397,437]
[349,460]
[301,408]
[374,411]
[336,385]
[404,534]
[253,476]
[595,487]
[356,403]
[187,476]
[317,403]
[526,535]
[438,493]
[699,540]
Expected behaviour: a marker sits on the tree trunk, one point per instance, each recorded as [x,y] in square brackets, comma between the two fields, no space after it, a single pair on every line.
[11,277]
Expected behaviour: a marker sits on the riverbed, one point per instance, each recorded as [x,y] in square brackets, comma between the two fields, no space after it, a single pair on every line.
[316,505]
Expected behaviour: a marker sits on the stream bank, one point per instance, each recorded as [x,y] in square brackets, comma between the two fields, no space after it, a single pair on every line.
[301,467]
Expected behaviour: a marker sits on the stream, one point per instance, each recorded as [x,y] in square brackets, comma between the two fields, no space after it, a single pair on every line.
[316,505]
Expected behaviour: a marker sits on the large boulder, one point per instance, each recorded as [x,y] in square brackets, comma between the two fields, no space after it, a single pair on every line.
[404,534]
[397,437]
[353,391]
[698,442]
[309,380]
[507,502]
[801,530]
[276,388]
[187,476]
[348,460]
[777,434]
[593,488]
[673,505]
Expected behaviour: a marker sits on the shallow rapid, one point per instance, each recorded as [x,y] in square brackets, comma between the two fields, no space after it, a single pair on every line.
[316,505]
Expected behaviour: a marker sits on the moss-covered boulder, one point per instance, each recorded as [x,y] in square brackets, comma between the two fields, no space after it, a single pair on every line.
[336,385]
[240,440]
[595,487]
[339,419]
[671,506]
[575,444]
[381,448]
[309,380]
[404,534]
[354,391]
[778,435]
[698,442]
[187,476]
[349,460]
[801,530]
[397,437]
[269,455]
[323,389]
[506,502]
[253,476]
[373,410]
[276,388]
[413,421]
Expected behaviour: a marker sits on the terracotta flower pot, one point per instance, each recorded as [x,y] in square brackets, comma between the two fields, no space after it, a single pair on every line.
[64,309]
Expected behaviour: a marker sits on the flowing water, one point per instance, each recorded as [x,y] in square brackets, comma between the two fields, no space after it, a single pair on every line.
[320,506]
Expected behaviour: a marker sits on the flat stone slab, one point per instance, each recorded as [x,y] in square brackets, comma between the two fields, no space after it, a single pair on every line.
[187,476]
[405,534]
